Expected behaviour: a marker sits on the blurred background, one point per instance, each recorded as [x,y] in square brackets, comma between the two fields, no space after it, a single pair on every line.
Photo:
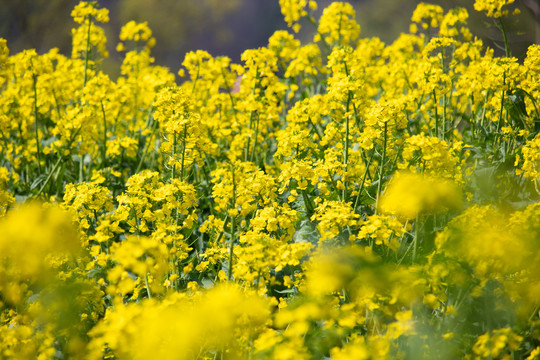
[228,27]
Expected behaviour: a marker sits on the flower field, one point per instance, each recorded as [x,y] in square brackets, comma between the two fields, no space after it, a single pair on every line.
[340,199]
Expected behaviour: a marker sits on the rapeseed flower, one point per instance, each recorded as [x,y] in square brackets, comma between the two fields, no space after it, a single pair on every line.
[412,195]
[492,7]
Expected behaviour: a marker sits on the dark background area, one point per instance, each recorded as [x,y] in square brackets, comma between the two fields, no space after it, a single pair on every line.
[228,27]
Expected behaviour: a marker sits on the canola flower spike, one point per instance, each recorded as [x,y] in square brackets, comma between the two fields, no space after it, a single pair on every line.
[531,160]
[492,7]
[410,195]
[428,15]
[84,10]
[454,25]
[294,10]
[338,25]
[137,32]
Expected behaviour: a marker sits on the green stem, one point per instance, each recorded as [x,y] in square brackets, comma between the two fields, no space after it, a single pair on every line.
[443,54]
[173,151]
[506,47]
[104,150]
[415,241]
[249,137]
[81,168]
[317,131]
[229,92]
[196,77]
[379,187]
[50,175]
[307,203]
[252,113]
[231,245]
[346,149]
[218,239]
[38,154]
[501,108]
[183,153]
[363,179]
[147,286]
[86,53]
[436,114]
[256,135]
[149,124]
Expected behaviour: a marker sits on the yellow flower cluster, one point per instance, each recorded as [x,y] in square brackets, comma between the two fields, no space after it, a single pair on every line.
[47,232]
[530,153]
[411,195]
[294,10]
[138,32]
[181,326]
[492,7]
[498,344]
[338,24]
[85,10]
[339,198]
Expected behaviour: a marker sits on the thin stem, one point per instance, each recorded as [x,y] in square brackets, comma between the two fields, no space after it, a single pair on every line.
[363,179]
[218,239]
[346,149]
[379,187]
[499,123]
[86,53]
[506,46]
[104,149]
[81,168]
[183,153]
[317,131]
[436,114]
[233,223]
[229,92]
[415,241]
[173,151]
[147,286]
[50,175]
[307,203]
[147,144]
[196,78]
[249,137]
[252,113]
[443,99]
[38,154]
[231,247]
[256,135]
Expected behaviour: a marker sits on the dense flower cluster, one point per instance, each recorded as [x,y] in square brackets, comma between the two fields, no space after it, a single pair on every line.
[343,199]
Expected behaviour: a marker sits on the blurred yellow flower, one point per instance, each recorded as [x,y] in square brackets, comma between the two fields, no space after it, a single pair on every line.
[411,195]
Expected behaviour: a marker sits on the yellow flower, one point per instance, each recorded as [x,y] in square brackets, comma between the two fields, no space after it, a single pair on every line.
[403,326]
[29,236]
[410,195]
[530,153]
[495,343]
[481,236]
[428,15]
[492,7]
[332,217]
[84,10]
[338,24]
[293,10]
[182,326]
